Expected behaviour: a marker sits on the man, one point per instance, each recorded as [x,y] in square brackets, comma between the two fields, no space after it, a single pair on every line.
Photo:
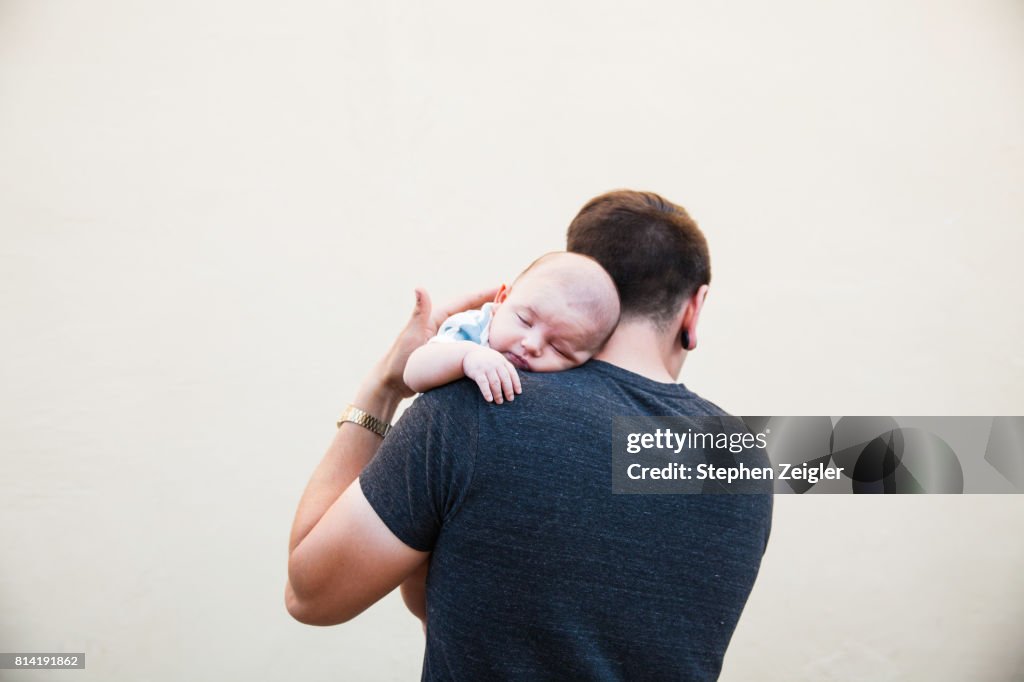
[538,571]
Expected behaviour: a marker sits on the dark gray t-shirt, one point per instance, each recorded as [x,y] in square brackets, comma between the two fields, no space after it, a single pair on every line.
[538,571]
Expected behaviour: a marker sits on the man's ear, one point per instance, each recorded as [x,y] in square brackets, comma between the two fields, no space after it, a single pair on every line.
[691,315]
[502,294]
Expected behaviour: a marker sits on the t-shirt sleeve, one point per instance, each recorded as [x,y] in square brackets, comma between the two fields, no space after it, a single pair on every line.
[422,471]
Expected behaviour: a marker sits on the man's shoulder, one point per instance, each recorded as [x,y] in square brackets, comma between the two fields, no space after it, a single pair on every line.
[603,380]
[703,407]
[458,395]
[445,410]
[594,386]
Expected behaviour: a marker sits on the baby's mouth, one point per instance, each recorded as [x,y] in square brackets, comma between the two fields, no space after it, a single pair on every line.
[519,362]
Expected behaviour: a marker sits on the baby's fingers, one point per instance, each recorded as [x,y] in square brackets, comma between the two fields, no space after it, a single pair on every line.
[507,385]
[485,387]
[515,379]
[495,385]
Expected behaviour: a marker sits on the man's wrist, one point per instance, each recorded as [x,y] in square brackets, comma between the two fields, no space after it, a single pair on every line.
[379,397]
[363,418]
[387,374]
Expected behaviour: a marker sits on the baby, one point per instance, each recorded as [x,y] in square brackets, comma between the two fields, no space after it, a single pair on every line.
[556,315]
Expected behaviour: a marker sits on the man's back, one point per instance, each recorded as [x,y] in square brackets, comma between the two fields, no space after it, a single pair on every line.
[538,571]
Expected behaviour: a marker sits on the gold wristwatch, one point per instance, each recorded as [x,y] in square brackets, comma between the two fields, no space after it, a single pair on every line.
[365,419]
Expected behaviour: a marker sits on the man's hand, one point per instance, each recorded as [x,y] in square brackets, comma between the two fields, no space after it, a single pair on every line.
[495,375]
[422,325]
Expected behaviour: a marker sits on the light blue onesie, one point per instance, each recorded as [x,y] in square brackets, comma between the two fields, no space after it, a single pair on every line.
[471,325]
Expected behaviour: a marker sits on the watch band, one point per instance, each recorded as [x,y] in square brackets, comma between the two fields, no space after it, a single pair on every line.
[365,419]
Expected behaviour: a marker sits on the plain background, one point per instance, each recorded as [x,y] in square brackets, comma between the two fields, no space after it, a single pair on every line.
[213,215]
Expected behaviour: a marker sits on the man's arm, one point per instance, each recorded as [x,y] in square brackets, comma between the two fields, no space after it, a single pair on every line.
[329,581]
[351,449]
[341,556]
[414,592]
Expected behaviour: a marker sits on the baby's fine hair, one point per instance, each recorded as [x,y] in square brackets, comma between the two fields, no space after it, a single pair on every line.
[592,287]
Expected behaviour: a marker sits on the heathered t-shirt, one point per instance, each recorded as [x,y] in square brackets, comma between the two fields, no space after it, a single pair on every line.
[539,571]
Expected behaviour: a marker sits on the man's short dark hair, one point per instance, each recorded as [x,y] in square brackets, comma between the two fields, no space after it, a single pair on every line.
[652,248]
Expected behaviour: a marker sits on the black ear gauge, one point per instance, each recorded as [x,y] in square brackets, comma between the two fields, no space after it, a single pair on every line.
[685,339]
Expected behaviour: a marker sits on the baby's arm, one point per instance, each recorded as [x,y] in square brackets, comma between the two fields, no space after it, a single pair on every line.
[435,364]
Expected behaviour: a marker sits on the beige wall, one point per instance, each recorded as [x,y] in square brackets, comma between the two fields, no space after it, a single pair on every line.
[213,214]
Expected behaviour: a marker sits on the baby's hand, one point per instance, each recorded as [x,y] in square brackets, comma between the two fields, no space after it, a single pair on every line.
[495,375]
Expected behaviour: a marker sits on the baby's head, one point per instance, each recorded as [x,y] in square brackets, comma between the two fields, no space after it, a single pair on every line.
[556,315]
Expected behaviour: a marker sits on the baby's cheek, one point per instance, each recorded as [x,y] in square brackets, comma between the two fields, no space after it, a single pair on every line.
[496,345]
[569,364]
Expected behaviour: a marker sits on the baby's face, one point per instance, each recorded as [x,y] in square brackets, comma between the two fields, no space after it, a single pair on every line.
[539,328]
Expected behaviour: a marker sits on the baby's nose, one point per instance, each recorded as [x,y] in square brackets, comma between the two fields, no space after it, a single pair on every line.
[530,345]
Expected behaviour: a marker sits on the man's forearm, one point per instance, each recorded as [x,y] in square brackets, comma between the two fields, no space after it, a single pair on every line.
[352,448]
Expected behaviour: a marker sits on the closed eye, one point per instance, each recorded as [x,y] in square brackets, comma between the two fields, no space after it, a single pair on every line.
[524,320]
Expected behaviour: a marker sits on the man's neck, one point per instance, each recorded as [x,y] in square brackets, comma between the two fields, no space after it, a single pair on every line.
[640,348]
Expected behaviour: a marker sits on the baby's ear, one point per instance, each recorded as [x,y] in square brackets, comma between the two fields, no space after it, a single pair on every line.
[502,294]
